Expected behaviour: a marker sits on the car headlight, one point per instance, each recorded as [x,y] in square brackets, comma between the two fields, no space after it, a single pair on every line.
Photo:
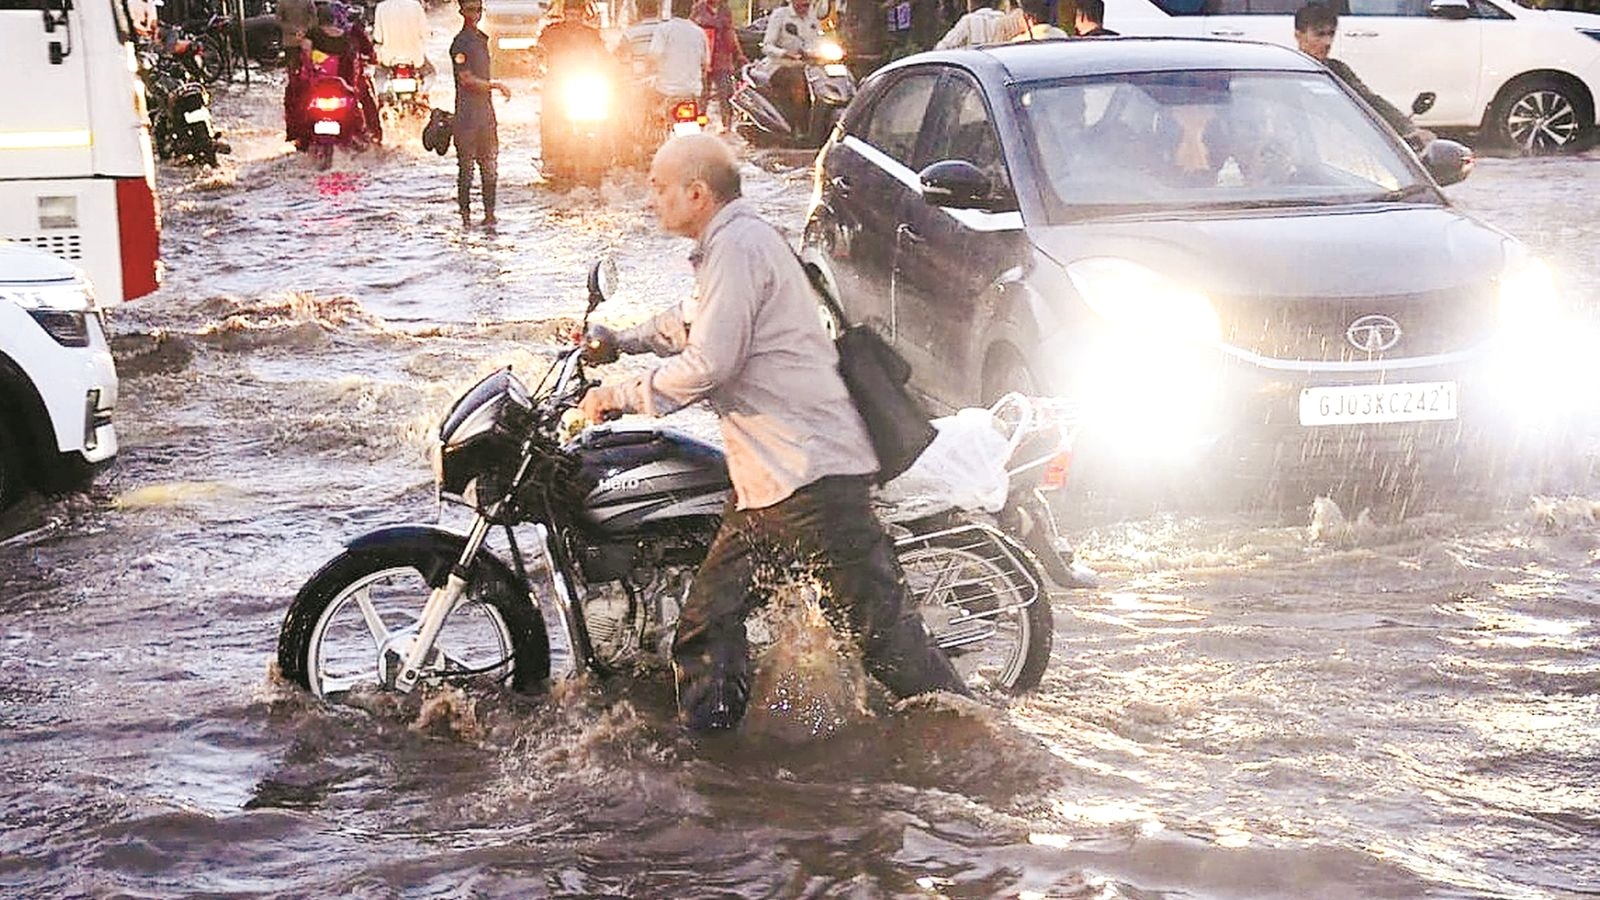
[828,50]
[1590,32]
[1528,298]
[1127,294]
[74,296]
[587,97]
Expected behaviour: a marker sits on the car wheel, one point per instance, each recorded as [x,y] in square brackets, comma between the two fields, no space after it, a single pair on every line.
[1005,374]
[10,468]
[1541,116]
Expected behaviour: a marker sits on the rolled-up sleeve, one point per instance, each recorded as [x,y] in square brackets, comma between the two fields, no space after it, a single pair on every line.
[664,334]
[718,340]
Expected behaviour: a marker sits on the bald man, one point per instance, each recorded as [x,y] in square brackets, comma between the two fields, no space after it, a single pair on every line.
[750,342]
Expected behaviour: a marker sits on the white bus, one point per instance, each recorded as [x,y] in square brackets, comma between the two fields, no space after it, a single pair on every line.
[76,173]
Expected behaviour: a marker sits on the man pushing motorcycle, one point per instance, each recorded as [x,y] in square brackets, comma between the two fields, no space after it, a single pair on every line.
[750,342]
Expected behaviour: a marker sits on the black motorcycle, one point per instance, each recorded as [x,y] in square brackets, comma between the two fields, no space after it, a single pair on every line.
[616,523]
[181,126]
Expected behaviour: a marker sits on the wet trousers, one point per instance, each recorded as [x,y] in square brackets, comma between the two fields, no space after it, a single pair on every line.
[829,529]
[480,146]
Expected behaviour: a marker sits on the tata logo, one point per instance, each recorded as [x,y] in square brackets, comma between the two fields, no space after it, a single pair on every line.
[1373,334]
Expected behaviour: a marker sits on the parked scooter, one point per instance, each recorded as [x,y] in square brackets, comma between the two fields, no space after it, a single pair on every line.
[761,116]
[615,524]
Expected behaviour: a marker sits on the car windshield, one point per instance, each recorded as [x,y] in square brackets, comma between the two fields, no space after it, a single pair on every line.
[1161,141]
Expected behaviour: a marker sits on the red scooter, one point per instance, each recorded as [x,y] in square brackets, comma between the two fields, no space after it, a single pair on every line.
[335,118]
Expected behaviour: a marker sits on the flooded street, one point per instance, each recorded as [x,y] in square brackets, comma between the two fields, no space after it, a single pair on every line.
[1332,708]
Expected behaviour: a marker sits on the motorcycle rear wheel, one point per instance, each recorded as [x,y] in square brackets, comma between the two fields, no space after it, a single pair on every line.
[955,581]
[334,635]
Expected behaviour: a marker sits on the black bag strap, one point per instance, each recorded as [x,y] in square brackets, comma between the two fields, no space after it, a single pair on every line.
[820,285]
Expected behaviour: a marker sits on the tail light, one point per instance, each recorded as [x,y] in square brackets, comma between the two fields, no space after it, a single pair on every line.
[1054,476]
[404,72]
[686,111]
[329,104]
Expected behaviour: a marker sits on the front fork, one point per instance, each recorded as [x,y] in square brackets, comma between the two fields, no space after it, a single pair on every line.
[441,603]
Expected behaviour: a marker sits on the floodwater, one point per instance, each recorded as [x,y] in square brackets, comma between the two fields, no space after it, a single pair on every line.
[1341,707]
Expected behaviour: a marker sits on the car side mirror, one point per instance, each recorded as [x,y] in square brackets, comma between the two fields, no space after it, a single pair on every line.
[1447,161]
[955,184]
[1449,9]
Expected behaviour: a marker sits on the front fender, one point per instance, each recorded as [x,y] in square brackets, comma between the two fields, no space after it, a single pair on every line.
[441,547]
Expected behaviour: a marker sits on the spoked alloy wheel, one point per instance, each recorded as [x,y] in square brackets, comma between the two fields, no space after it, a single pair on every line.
[1541,118]
[972,600]
[351,626]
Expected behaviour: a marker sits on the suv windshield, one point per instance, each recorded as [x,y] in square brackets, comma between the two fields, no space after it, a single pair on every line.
[1158,141]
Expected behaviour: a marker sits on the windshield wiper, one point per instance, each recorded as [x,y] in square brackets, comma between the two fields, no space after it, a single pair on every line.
[1401,194]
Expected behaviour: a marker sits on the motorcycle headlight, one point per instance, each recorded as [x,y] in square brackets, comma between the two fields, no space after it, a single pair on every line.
[587,97]
[1129,295]
[829,50]
[1528,298]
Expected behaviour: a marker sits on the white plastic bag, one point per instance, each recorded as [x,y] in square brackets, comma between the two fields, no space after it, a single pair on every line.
[964,467]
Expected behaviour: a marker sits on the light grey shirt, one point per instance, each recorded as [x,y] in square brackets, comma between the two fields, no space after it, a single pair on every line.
[981,26]
[750,342]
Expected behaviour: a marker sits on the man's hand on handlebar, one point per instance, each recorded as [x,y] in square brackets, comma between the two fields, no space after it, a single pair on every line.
[599,405]
[600,346]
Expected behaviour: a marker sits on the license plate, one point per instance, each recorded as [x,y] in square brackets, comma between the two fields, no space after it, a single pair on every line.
[197,115]
[835,70]
[325,126]
[685,127]
[1366,404]
[516,43]
[403,85]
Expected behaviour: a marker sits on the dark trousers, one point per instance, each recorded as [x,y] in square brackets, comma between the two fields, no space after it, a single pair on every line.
[828,528]
[482,146]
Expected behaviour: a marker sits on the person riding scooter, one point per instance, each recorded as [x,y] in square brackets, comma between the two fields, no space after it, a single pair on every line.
[793,36]
[336,48]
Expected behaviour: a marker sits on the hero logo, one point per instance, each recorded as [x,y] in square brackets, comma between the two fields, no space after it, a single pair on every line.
[1373,334]
[619,481]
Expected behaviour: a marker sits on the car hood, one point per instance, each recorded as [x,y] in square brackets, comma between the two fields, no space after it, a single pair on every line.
[1367,251]
[21,264]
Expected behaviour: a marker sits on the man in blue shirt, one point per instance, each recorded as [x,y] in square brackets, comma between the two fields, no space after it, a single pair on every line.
[476,132]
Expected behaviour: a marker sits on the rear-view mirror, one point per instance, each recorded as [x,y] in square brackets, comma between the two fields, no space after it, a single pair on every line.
[602,281]
[1447,161]
[956,184]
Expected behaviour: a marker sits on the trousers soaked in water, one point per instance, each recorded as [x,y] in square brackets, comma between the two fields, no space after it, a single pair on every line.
[828,528]
[479,145]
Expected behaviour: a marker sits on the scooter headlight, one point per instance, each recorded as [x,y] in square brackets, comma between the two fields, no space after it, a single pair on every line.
[587,96]
[829,50]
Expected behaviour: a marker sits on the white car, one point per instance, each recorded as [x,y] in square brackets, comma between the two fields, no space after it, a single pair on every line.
[58,385]
[513,27]
[1526,76]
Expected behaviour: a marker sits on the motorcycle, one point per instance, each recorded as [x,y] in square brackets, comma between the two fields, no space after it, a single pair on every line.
[759,113]
[334,113]
[578,119]
[402,92]
[618,521]
[181,126]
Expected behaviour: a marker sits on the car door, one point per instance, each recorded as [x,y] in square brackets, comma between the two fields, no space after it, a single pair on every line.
[1402,52]
[1269,21]
[864,177]
[946,260]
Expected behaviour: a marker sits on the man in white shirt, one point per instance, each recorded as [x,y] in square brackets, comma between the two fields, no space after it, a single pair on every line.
[780,43]
[985,24]
[143,16]
[400,29]
[681,54]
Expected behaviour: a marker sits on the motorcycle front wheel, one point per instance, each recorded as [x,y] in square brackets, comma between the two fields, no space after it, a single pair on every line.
[988,614]
[349,627]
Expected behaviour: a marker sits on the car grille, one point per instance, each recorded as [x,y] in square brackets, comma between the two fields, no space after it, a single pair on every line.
[1314,330]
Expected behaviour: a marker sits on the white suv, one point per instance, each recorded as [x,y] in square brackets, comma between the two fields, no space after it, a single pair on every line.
[58,385]
[1526,76]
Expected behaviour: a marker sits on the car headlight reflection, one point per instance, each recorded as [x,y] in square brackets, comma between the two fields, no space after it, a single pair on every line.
[1129,295]
[587,96]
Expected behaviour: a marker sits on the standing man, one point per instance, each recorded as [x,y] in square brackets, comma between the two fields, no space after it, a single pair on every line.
[1037,22]
[1090,15]
[681,54]
[792,35]
[750,342]
[984,23]
[476,132]
[1314,28]
[715,17]
[401,30]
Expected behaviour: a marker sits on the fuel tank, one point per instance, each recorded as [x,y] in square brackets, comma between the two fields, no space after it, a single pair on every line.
[638,478]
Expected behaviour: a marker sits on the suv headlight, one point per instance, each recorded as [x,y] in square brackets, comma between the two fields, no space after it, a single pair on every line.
[62,310]
[1130,295]
[1590,32]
